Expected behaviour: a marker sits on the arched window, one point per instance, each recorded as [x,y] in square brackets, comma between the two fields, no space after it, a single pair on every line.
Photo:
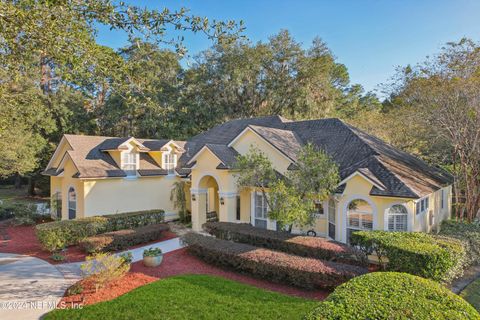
[72,203]
[359,217]
[397,218]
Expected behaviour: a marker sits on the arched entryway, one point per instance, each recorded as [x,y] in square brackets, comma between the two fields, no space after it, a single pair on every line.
[212,206]
[205,201]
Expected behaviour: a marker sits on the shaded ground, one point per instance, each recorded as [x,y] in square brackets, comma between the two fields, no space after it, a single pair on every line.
[194,297]
[472,294]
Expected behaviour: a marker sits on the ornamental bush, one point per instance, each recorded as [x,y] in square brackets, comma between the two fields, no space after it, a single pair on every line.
[122,239]
[392,295]
[468,232]
[57,235]
[429,256]
[312,247]
[269,264]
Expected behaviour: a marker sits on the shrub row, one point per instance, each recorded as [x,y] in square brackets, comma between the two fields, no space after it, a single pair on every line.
[392,295]
[312,247]
[269,264]
[468,232]
[122,239]
[60,234]
[429,256]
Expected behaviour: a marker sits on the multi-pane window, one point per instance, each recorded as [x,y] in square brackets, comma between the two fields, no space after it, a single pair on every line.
[331,218]
[129,163]
[261,210]
[397,218]
[57,205]
[72,203]
[422,205]
[169,162]
[359,217]
[238,212]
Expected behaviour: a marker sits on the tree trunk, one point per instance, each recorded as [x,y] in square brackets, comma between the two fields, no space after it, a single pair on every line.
[18,181]
[31,186]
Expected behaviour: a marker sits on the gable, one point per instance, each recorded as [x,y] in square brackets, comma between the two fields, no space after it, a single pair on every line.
[248,139]
[59,154]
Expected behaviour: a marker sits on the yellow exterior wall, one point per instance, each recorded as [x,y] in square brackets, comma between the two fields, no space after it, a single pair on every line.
[249,139]
[117,157]
[118,195]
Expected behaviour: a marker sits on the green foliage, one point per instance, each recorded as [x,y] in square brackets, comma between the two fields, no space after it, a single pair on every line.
[74,289]
[208,297]
[57,235]
[22,213]
[468,232]
[472,294]
[391,295]
[123,239]
[179,199]
[152,252]
[311,247]
[270,264]
[434,257]
[290,199]
[57,257]
[103,268]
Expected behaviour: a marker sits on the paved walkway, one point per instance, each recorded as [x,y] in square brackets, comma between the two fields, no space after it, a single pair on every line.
[29,287]
[470,275]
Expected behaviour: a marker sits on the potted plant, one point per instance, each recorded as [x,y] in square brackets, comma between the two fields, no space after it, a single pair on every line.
[152,257]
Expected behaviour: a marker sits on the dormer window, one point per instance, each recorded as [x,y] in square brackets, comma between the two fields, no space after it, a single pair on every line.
[169,162]
[129,163]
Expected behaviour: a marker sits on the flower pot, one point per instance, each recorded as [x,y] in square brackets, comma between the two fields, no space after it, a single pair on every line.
[152,261]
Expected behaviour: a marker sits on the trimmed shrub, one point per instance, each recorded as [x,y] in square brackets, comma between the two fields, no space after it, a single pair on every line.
[103,268]
[269,264]
[434,257]
[121,239]
[312,247]
[57,235]
[392,295]
[468,232]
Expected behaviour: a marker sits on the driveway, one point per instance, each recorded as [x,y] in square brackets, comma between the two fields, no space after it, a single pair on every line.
[29,287]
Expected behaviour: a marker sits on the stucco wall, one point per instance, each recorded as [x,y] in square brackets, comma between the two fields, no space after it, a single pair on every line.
[118,195]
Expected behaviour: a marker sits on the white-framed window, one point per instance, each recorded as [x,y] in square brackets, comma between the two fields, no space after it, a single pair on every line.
[422,205]
[359,217]
[261,210]
[397,216]
[129,163]
[169,162]
[72,203]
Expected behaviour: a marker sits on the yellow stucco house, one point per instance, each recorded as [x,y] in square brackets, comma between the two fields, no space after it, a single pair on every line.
[382,188]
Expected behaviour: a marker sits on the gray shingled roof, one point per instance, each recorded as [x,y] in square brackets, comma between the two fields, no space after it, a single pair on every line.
[92,162]
[398,173]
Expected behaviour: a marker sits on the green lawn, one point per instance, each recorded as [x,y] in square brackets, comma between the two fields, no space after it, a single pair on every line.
[472,294]
[194,297]
[8,194]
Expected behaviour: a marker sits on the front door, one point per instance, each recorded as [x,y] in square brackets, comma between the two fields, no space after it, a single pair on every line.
[260,213]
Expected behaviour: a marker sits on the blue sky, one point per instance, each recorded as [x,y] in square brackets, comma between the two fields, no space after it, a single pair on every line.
[371,37]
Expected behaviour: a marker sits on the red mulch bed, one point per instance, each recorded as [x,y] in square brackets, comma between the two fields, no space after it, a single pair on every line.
[116,288]
[24,241]
[181,262]
[175,263]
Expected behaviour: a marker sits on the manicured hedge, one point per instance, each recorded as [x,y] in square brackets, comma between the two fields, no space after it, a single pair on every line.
[60,234]
[269,264]
[122,239]
[392,295]
[468,232]
[312,247]
[434,257]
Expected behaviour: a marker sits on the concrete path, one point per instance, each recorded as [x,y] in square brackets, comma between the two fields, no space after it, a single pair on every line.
[29,287]
[71,271]
[470,275]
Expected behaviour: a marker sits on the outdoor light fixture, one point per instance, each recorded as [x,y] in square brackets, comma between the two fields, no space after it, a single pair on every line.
[222,201]
[193,197]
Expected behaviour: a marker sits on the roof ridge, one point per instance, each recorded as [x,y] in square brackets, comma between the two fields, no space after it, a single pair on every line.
[363,141]
[377,157]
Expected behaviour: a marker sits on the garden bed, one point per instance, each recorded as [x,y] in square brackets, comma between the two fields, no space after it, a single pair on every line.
[23,240]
